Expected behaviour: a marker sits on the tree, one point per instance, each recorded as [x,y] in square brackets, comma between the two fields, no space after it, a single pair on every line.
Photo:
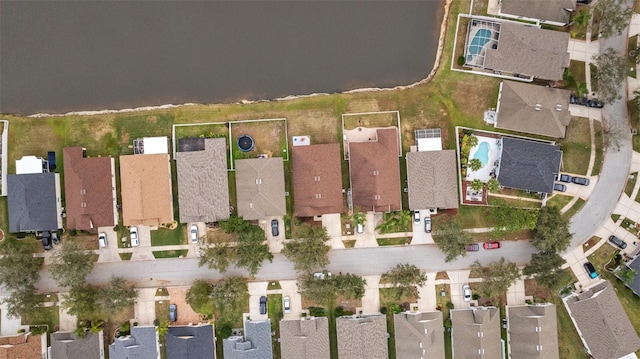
[117,295]
[350,286]
[71,264]
[614,16]
[219,257]
[229,297]
[475,164]
[163,328]
[551,233]
[493,185]
[497,277]
[234,225]
[510,218]
[611,73]
[546,268]
[405,279]
[252,250]
[627,274]
[451,239]
[199,297]
[581,18]
[18,267]
[477,185]
[23,301]
[326,290]
[82,300]
[309,249]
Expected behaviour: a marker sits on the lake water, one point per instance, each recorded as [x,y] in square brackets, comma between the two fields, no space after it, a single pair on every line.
[65,56]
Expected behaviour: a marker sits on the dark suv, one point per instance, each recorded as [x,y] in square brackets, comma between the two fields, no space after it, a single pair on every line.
[564,178]
[263,305]
[274,228]
[591,270]
[618,242]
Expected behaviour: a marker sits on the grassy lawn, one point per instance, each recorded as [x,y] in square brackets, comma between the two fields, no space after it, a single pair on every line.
[49,316]
[162,309]
[170,254]
[496,201]
[468,217]
[386,119]
[576,147]
[631,60]
[590,243]
[269,138]
[350,243]
[559,201]
[274,310]
[125,256]
[594,74]
[576,75]
[168,237]
[569,342]
[574,209]
[393,241]
[631,182]
[597,165]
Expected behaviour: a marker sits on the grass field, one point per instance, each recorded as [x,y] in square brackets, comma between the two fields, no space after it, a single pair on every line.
[574,209]
[576,147]
[167,237]
[274,311]
[170,254]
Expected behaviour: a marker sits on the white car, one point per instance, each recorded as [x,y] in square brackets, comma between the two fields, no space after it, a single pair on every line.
[102,239]
[466,293]
[193,233]
[133,234]
[286,303]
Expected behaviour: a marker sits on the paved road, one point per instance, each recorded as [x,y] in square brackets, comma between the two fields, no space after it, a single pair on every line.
[617,160]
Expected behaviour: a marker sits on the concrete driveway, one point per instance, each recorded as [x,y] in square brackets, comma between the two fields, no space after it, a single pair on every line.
[276,243]
[68,322]
[10,326]
[290,289]
[457,279]
[145,306]
[256,290]
[110,252]
[419,235]
[427,301]
[515,293]
[144,250]
[368,237]
[371,298]
[334,229]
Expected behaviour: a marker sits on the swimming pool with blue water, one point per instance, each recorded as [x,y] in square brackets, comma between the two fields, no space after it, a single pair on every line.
[482,153]
[480,39]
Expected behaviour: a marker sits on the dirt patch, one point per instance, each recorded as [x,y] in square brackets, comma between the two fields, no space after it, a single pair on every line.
[186,315]
[348,305]
[532,288]
[321,126]
[269,138]
[87,240]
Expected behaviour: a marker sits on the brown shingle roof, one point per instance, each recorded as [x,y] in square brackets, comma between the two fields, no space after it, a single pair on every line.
[89,190]
[419,335]
[146,189]
[530,51]
[602,322]
[203,185]
[533,109]
[21,346]
[533,331]
[375,173]
[476,333]
[432,179]
[260,188]
[539,9]
[307,338]
[317,179]
[364,337]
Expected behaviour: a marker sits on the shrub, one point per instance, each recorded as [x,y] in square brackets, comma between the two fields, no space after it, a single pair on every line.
[394,308]
[383,310]
[450,305]
[461,61]
[475,296]
[225,331]
[317,312]
[156,322]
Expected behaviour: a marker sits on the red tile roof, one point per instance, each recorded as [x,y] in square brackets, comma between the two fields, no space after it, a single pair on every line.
[375,173]
[89,195]
[317,180]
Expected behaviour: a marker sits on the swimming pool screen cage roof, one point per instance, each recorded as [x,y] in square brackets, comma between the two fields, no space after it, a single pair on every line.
[481,34]
[428,133]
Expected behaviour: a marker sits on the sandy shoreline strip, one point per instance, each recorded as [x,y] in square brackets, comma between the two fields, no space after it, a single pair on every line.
[434,70]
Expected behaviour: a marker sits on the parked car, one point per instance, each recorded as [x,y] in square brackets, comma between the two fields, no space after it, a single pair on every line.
[586,2]
[360,228]
[595,103]
[416,216]
[46,241]
[263,305]
[559,187]
[466,293]
[591,270]
[286,303]
[193,233]
[102,239]
[427,225]
[274,228]
[322,275]
[491,245]
[504,323]
[618,242]
[173,312]
[581,181]
[133,234]
[573,99]
[55,238]
[564,178]
[473,247]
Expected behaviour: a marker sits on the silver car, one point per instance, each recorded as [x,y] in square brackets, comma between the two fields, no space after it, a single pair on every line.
[466,293]
[193,233]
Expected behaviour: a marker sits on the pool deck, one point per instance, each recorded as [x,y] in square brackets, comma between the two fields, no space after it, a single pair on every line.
[483,173]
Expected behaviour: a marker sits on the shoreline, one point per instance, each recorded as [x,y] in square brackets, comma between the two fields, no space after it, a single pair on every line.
[434,70]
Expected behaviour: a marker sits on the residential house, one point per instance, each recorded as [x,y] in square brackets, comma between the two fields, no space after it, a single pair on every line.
[362,337]
[190,342]
[305,338]
[23,346]
[557,12]
[528,165]
[260,188]
[317,180]
[203,185]
[516,49]
[255,344]
[635,284]
[533,109]
[146,185]
[141,343]
[532,331]
[476,333]
[89,189]
[432,179]
[375,172]
[67,345]
[419,335]
[602,323]
[34,202]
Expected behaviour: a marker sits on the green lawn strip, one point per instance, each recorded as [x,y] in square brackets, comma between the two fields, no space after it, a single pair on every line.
[333,331]
[162,309]
[125,256]
[569,343]
[594,74]
[559,201]
[632,48]
[615,217]
[170,254]
[574,209]
[401,241]
[274,285]
[495,200]
[576,147]
[503,331]
[597,165]
[274,311]
[577,75]
[370,120]
[350,243]
[391,329]
[631,182]
[168,237]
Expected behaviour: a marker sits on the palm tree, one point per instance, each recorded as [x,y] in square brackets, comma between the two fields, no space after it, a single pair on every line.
[581,18]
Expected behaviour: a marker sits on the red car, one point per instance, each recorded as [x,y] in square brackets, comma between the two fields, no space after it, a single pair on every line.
[491,245]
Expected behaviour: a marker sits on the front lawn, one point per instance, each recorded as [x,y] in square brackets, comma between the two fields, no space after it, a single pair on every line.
[49,316]
[181,253]
[168,237]
[574,209]
[576,147]
[401,241]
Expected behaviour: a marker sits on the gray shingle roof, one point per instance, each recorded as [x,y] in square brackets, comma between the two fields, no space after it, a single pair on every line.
[203,187]
[529,165]
[476,333]
[602,322]
[539,9]
[256,343]
[419,335]
[66,345]
[533,331]
[33,202]
[533,109]
[432,179]
[141,344]
[190,342]
[530,51]
[635,285]
[307,338]
[260,188]
[364,337]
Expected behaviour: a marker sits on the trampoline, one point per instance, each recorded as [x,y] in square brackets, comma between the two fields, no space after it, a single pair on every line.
[245,143]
